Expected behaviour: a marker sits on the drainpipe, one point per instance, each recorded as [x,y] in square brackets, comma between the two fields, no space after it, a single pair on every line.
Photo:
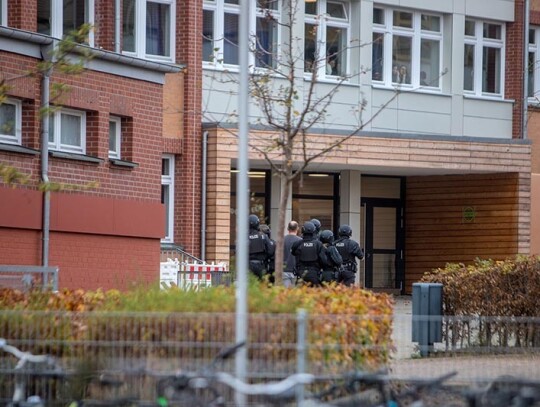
[117,26]
[525,118]
[45,84]
[203,195]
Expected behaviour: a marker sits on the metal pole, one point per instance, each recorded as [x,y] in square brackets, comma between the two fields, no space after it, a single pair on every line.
[301,317]
[242,197]
[525,115]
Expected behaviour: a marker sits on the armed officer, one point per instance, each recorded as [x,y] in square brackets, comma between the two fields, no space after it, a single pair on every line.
[350,250]
[260,248]
[330,270]
[318,226]
[310,257]
[271,262]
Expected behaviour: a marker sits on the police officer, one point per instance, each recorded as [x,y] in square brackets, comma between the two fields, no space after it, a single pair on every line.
[310,257]
[317,224]
[260,248]
[333,261]
[270,261]
[349,250]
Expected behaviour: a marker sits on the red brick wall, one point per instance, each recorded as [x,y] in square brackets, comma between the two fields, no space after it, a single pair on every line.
[104,24]
[22,14]
[514,67]
[188,203]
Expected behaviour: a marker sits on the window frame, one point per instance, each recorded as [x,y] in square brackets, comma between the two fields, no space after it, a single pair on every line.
[219,8]
[117,153]
[533,48]
[480,43]
[57,18]
[323,21]
[56,119]
[3,13]
[140,34]
[417,35]
[168,180]
[17,138]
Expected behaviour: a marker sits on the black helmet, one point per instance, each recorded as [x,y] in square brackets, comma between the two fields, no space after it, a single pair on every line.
[345,230]
[254,222]
[317,224]
[308,228]
[326,236]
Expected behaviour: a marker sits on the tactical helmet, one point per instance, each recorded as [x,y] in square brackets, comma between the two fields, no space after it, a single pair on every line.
[254,222]
[326,236]
[317,224]
[308,228]
[345,230]
[265,229]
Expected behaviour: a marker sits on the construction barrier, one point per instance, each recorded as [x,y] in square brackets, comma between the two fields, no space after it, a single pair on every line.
[193,276]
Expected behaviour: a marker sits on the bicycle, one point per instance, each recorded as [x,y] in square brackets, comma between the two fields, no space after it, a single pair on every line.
[505,391]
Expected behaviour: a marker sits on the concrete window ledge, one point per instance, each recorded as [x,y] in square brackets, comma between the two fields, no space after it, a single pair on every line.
[123,163]
[76,157]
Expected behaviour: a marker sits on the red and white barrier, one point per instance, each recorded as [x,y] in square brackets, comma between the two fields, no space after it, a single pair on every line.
[189,276]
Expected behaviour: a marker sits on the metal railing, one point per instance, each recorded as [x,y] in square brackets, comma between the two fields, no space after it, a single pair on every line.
[172,251]
[27,277]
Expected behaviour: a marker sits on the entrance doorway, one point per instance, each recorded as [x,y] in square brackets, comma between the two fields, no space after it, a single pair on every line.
[384,244]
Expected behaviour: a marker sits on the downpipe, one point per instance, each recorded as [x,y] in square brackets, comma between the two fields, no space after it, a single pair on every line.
[203,194]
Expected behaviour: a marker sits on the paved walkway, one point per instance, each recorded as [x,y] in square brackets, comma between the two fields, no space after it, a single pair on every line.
[407,363]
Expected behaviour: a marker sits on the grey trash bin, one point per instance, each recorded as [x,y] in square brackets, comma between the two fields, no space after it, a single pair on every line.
[427,315]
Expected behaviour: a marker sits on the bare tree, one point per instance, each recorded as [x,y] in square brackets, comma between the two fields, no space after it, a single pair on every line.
[289,109]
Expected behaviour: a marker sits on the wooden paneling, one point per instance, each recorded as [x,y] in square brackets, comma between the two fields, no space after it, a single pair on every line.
[438,232]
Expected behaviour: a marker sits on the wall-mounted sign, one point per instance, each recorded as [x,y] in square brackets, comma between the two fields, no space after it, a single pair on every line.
[469,214]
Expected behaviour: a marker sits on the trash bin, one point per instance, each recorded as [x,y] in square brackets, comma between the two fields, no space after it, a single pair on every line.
[427,315]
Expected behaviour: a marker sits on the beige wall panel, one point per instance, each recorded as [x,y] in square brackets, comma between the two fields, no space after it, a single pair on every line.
[533,133]
[535,214]
[173,105]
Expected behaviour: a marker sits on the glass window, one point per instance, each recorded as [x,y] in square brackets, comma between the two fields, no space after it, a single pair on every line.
[167,195]
[378,16]
[67,131]
[148,28]
[406,49]
[58,18]
[326,38]
[3,12]
[10,121]
[221,22]
[533,77]
[115,137]
[484,47]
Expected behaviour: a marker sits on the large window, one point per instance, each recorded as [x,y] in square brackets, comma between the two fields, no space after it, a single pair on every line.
[167,195]
[326,38]
[406,48]
[484,58]
[58,17]
[533,66]
[148,28]
[10,122]
[220,32]
[67,131]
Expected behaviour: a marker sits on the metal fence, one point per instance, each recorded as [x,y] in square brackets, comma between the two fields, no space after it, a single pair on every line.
[27,277]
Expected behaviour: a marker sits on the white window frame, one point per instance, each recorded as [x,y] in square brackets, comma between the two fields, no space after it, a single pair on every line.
[56,144]
[168,180]
[140,31]
[8,138]
[220,8]
[479,43]
[323,21]
[57,19]
[534,48]
[116,153]
[417,35]
[3,12]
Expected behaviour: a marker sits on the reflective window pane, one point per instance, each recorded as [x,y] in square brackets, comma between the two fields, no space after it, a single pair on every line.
[113,138]
[468,72]
[401,59]
[8,118]
[158,29]
[378,16]
[311,8]
[230,50]
[128,25]
[314,184]
[429,63]
[377,57]
[336,42]
[470,28]
[531,70]
[305,209]
[74,15]
[491,70]
[403,19]
[532,37]
[266,42]
[44,17]
[384,270]
[310,47]
[430,23]
[208,35]
[492,31]
[336,10]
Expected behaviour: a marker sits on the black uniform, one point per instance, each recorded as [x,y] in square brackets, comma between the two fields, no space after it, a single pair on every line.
[349,250]
[330,271]
[310,257]
[271,255]
[260,250]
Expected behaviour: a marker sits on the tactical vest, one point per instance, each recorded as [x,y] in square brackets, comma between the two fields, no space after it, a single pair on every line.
[256,245]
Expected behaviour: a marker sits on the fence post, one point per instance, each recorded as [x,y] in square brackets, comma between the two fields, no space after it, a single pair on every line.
[301,327]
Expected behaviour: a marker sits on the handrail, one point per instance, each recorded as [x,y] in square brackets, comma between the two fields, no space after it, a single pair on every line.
[180,253]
